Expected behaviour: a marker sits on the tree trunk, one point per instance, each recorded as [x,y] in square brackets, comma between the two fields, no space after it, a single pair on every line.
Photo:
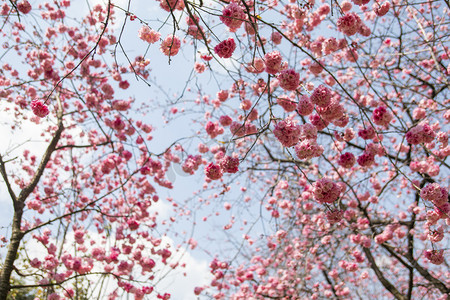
[13,249]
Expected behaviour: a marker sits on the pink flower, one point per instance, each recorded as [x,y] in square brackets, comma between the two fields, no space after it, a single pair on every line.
[381,116]
[366,159]
[171,45]
[213,171]
[229,164]
[39,108]
[289,79]
[198,290]
[23,6]
[317,121]
[305,107]
[237,129]
[420,134]
[321,96]
[435,256]
[273,61]
[349,23]
[286,103]
[329,45]
[213,129]
[334,216]
[347,160]
[191,164]
[222,95]
[148,35]
[257,66]
[325,190]
[233,16]
[367,133]
[199,67]
[225,120]
[308,149]
[287,133]
[435,193]
[225,48]
[382,9]
[169,5]
[124,84]
[316,68]
[308,132]
[276,37]
[333,111]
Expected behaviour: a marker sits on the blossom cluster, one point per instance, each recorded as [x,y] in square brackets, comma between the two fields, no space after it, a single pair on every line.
[171,45]
[149,35]
[39,108]
[326,191]
[233,16]
[287,132]
[225,48]
[420,134]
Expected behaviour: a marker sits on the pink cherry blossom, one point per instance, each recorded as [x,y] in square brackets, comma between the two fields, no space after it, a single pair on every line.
[225,48]
[287,132]
[325,190]
[213,172]
[24,6]
[170,45]
[381,116]
[273,60]
[289,79]
[305,107]
[39,108]
[321,96]
[233,16]
[349,23]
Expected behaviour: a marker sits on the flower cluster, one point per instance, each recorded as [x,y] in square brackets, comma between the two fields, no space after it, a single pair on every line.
[435,193]
[367,133]
[317,121]
[273,62]
[420,134]
[170,5]
[149,35]
[286,103]
[435,256]
[171,45]
[239,129]
[346,160]
[213,171]
[321,96]
[308,149]
[387,234]
[333,111]
[233,16]
[287,132]
[366,159]
[191,164]
[289,79]
[213,129]
[229,164]
[39,108]
[325,190]
[225,48]
[381,116]
[334,216]
[23,6]
[381,9]
[349,24]
[305,107]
